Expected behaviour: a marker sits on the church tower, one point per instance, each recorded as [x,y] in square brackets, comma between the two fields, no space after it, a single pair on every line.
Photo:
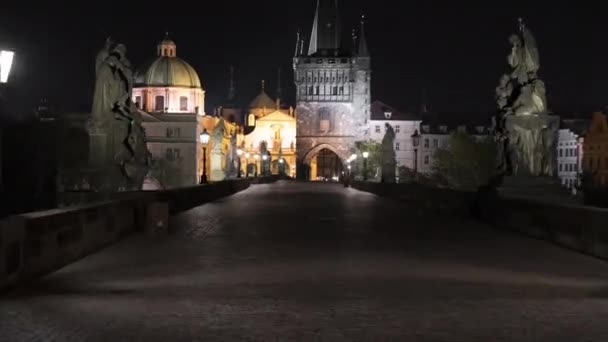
[332,90]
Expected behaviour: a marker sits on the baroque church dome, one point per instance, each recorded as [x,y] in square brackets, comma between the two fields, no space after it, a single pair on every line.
[167,70]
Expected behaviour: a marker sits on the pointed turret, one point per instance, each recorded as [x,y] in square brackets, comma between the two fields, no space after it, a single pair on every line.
[279,89]
[363,50]
[231,88]
[325,36]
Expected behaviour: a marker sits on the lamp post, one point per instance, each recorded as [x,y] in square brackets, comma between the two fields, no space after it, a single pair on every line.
[247,155]
[257,158]
[365,156]
[239,153]
[6,63]
[264,162]
[204,141]
[281,167]
[415,144]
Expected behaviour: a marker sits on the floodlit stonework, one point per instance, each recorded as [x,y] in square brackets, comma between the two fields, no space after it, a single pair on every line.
[333,91]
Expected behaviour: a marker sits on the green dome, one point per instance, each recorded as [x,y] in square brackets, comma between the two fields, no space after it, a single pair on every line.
[168,71]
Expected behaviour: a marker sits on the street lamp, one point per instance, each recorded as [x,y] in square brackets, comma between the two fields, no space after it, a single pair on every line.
[264,159]
[204,141]
[239,153]
[416,143]
[365,156]
[6,63]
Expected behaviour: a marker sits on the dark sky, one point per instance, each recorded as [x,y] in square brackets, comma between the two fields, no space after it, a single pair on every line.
[456,51]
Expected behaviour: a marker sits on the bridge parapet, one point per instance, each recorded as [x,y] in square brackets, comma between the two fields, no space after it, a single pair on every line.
[578,227]
[38,243]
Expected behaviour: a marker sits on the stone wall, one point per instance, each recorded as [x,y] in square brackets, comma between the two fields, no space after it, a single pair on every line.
[35,244]
[581,228]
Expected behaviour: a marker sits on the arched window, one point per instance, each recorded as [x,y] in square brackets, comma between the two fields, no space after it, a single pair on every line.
[324,120]
[183,103]
[159,103]
[251,120]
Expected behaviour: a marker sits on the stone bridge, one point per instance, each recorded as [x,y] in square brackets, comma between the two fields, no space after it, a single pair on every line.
[295,261]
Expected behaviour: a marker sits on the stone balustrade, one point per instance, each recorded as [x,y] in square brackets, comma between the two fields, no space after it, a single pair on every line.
[35,244]
[581,228]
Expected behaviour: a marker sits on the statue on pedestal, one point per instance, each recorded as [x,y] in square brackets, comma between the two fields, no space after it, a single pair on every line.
[118,158]
[526,134]
[388,155]
[218,167]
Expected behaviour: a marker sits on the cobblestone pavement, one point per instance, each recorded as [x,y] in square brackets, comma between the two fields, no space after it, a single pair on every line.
[317,262]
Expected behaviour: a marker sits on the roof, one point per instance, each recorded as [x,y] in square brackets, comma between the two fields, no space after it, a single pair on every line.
[445,123]
[262,101]
[379,108]
[578,126]
[167,71]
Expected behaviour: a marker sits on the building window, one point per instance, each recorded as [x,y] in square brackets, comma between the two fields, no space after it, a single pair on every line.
[435,143]
[251,120]
[309,90]
[159,103]
[183,103]
[316,90]
[426,143]
[138,101]
[561,167]
[377,129]
[173,132]
[397,129]
[334,90]
[324,120]
[426,160]
[397,146]
[387,114]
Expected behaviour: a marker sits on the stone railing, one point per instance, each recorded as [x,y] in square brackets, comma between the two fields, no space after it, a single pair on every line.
[443,201]
[581,228]
[35,244]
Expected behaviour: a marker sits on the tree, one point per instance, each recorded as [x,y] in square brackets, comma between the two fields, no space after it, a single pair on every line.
[467,163]
[374,161]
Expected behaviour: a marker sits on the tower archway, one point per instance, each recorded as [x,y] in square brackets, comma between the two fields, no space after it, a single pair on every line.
[323,163]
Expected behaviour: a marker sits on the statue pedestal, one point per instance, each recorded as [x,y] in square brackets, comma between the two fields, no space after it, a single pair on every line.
[543,189]
[217,174]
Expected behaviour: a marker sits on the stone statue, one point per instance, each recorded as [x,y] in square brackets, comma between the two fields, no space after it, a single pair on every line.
[217,153]
[117,138]
[388,155]
[525,133]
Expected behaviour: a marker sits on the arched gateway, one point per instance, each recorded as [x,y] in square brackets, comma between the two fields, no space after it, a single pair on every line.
[322,162]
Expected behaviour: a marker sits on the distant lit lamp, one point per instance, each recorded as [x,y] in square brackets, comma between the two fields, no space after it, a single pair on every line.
[415,144]
[6,63]
[204,137]
[365,156]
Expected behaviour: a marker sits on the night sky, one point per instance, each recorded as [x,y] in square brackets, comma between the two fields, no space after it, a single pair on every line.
[456,51]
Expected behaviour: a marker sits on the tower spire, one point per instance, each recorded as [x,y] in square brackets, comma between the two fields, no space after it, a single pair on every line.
[363,50]
[296,53]
[325,34]
[279,89]
[231,88]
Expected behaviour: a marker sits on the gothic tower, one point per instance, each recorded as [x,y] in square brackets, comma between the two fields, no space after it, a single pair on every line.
[332,89]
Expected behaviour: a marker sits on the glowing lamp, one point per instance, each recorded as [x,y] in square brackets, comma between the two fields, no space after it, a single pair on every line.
[6,63]
[366,155]
[204,137]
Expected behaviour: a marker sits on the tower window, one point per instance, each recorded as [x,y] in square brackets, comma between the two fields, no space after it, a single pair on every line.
[159,103]
[341,90]
[316,90]
[251,120]
[397,146]
[397,129]
[377,128]
[324,120]
[309,90]
[183,103]
[334,90]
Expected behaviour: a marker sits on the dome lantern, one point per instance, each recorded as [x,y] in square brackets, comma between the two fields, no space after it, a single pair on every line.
[167,47]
